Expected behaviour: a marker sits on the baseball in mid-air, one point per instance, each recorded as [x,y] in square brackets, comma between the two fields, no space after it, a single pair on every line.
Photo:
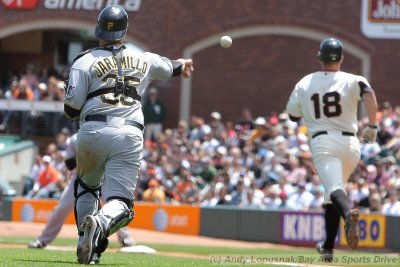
[225,41]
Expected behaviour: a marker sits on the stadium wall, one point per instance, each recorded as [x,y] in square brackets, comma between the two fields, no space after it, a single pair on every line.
[262,66]
[274,226]
[16,159]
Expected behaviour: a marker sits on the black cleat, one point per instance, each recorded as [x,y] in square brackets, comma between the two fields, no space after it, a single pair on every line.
[327,254]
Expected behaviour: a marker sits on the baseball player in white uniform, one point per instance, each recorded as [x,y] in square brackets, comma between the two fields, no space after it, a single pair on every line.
[104,91]
[66,205]
[327,102]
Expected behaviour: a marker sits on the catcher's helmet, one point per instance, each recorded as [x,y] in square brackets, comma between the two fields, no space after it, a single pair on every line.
[112,23]
[330,50]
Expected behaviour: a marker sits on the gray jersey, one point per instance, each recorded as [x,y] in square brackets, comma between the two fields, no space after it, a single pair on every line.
[98,69]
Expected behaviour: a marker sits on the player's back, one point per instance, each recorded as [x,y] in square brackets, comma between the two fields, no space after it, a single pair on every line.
[329,101]
[137,69]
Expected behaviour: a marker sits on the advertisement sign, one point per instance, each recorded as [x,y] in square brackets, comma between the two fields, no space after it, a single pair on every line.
[19,4]
[371,229]
[182,219]
[128,5]
[38,211]
[380,19]
[302,228]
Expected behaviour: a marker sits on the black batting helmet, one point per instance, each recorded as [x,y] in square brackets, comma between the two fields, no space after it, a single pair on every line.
[112,23]
[330,50]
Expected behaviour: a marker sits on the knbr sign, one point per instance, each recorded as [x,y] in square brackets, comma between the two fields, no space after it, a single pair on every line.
[128,5]
[301,228]
[19,4]
[371,230]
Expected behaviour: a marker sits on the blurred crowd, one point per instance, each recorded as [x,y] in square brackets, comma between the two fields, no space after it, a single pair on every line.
[254,162]
[32,84]
[264,163]
[258,163]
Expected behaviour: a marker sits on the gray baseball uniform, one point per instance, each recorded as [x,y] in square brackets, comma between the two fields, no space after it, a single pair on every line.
[110,139]
[65,206]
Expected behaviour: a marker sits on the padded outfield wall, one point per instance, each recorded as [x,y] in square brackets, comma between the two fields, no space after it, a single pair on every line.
[228,222]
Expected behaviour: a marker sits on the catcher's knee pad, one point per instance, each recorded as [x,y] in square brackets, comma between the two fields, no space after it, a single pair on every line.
[94,191]
[118,211]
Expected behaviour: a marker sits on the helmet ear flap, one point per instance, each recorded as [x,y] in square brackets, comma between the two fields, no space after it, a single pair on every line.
[319,55]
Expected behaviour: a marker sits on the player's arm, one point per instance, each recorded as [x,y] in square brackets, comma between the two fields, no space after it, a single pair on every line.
[369,99]
[182,67]
[75,93]
[293,107]
[163,68]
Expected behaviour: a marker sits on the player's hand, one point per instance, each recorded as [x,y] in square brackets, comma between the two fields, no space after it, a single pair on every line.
[369,134]
[187,67]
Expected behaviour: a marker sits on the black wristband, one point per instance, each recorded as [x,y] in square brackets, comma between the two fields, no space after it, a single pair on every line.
[372,126]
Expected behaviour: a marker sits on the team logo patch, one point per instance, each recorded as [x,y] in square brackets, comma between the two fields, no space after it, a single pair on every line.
[69,92]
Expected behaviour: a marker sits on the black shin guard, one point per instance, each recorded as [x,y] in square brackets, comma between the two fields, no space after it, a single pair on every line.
[95,192]
[341,202]
[332,222]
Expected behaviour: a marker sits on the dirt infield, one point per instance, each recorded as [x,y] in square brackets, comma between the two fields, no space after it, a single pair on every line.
[140,236]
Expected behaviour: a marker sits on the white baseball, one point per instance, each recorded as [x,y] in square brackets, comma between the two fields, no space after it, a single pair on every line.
[225,41]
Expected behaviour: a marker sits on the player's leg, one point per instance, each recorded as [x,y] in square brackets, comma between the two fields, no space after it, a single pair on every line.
[90,161]
[57,218]
[351,159]
[334,163]
[121,173]
[125,237]
[332,222]
[123,234]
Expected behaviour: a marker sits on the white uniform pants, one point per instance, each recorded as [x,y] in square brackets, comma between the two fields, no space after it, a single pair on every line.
[335,156]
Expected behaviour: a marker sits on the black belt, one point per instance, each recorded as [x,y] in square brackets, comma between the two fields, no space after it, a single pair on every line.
[326,132]
[103,118]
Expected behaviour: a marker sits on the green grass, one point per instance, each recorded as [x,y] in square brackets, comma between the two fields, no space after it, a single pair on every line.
[16,257]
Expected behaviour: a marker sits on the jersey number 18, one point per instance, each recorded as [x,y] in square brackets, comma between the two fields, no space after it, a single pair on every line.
[331,104]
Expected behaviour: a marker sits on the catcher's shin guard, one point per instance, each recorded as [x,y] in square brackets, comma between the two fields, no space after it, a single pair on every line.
[87,200]
[115,214]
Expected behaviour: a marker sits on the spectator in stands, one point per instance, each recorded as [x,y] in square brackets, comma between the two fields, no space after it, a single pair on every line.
[239,195]
[47,184]
[37,167]
[245,122]
[259,132]
[217,127]
[272,199]
[392,206]
[223,197]
[207,171]
[23,91]
[154,193]
[318,200]
[375,203]
[30,77]
[366,201]
[301,199]
[198,130]
[154,115]
[7,114]
[209,199]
